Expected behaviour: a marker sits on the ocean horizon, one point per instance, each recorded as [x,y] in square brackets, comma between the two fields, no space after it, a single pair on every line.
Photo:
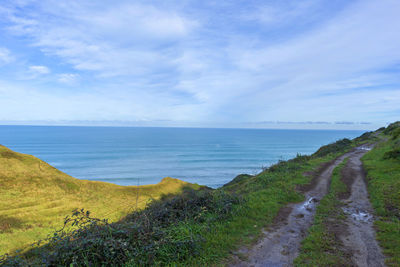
[145,155]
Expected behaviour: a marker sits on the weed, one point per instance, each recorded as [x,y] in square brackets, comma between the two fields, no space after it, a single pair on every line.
[202,227]
[339,146]
[160,233]
[7,224]
[322,246]
[40,196]
[383,181]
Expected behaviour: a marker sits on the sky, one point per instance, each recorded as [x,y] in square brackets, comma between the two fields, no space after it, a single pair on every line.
[256,64]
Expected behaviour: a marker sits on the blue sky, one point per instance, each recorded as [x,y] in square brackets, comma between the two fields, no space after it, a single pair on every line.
[273,64]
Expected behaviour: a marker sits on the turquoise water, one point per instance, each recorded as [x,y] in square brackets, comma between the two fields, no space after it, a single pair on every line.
[131,156]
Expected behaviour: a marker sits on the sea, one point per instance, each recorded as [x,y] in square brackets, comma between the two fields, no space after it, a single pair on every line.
[145,155]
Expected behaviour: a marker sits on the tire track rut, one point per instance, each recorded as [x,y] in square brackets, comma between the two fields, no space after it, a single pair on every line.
[360,239]
[281,243]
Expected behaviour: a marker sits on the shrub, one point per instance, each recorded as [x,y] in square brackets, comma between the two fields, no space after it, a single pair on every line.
[338,146]
[364,137]
[392,154]
[159,234]
[391,127]
[395,133]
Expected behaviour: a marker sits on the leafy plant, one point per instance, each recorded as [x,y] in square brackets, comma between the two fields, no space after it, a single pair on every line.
[392,154]
[151,236]
[338,146]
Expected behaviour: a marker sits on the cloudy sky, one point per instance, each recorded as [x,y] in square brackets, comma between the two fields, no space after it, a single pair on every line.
[311,63]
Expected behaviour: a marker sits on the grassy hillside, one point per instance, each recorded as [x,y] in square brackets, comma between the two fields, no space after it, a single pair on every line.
[195,228]
[382,165]
[322,246]
[35,197]
[205,227]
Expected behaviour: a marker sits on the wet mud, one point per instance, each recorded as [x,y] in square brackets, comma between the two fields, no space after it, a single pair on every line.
[360,235]
[280,244]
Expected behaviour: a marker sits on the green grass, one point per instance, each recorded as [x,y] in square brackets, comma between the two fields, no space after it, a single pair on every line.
[35,197]
[264,195]
[202,228]
[204,235]
[382,164]
[322,247]
[383,179]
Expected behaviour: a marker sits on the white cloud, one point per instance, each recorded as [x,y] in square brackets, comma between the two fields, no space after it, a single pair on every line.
[111,40]
[26,102]
[5,56]
[136,20]
[68,78]
[38,70]
[186,63]
[277,13]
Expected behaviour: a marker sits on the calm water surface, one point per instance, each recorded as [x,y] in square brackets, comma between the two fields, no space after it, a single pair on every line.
[131,156]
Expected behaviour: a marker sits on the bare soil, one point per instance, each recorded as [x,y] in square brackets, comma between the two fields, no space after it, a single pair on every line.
[359,239]
[348,175]
[315,177]
[281,242]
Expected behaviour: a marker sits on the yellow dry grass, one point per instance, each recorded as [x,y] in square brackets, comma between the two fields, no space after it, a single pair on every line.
[35,197]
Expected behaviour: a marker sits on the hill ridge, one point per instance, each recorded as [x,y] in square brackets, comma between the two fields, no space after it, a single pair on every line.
[35,197]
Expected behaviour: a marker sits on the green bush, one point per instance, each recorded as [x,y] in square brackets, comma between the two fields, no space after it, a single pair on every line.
[392,127]
[160,234]
[395,133]
[367,136]
[392,154]
[338,146]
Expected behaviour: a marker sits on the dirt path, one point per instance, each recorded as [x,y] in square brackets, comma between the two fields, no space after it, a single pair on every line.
[360,238]
[281,244]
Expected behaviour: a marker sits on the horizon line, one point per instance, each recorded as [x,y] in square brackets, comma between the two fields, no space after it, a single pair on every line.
[207,127]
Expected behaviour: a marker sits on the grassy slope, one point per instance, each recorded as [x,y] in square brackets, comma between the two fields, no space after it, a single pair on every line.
[265,194]
[322,247]
[383,178]
[35,197]
[187,230]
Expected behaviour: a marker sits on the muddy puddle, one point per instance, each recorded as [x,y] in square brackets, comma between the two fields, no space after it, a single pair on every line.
[360,239]
[281,243]
[366,148]
[358,215]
